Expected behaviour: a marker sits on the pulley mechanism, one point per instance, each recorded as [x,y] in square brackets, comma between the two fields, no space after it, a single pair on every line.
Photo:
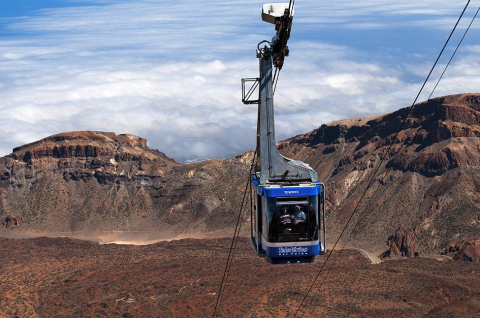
[280,15]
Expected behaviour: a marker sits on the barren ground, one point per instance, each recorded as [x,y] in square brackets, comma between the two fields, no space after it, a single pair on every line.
[62,277]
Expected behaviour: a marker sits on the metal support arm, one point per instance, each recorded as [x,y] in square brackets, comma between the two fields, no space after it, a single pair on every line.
[271,165]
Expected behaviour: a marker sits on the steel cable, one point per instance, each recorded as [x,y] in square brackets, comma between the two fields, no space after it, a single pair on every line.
[233,244]
[464,34]
[376,170]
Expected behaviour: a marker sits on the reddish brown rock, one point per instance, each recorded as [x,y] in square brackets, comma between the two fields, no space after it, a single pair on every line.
[467,251]
[11,221]
[402,244]
[428,179]
[452,248]
[470,253]
[47,277]
[102,181]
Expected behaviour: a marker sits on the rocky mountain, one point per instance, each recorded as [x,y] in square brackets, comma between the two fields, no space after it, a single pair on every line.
[426,191]
[423,198]
[96,181]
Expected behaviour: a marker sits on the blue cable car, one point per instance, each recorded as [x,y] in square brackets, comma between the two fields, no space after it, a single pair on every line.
[286,225]
[288,201]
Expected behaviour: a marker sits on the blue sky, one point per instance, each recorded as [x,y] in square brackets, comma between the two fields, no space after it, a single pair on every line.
[19,8]
[170,71]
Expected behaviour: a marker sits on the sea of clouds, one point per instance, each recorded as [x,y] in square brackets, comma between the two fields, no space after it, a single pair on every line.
[170,71]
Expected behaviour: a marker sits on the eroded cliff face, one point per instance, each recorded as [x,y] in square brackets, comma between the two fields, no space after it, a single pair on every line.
[95,181]
[429,181]
[425,195]
[467,250]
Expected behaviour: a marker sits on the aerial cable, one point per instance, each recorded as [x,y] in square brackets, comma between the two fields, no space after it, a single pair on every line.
[275,79]
[291,6]
[233,244]
[376,170]
[454,53]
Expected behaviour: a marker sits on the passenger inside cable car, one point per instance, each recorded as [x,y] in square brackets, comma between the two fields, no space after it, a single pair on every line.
[288,222]
[299,215]
[285,218]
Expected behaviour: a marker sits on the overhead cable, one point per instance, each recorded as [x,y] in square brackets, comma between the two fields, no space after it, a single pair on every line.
[376,170]
[233,244]
[464,34]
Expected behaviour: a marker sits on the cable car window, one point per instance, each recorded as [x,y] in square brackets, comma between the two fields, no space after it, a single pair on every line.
[292,225]
[270,206]
[294,220]
[313,215]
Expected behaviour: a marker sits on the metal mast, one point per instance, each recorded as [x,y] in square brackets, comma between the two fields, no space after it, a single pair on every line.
[271,166]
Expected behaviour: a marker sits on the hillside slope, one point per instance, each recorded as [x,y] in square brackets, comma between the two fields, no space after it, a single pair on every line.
[95,181]
[424,197]
[425,193]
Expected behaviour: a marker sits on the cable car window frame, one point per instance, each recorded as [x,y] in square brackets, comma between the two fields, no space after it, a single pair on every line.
[273,226]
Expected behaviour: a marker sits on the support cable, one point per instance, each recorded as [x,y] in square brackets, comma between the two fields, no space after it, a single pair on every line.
[291,6]
[454,53]
[376,170]
[233,244]
[275,79]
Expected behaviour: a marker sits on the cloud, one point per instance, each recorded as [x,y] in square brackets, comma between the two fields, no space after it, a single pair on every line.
[170,71]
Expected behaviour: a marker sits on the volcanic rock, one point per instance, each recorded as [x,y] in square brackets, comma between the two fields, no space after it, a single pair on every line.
[402,243]
[61,277]
[11,221]
[383,173]
[466,251]
[423,174]
[96,181]
[469,253]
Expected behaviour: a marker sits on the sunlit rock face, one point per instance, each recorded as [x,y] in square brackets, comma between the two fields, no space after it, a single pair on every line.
[97,181]
[427,181]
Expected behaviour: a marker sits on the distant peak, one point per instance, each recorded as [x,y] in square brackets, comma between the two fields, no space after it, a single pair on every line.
[471,100]
[87,144]
[70,136]
[131,140]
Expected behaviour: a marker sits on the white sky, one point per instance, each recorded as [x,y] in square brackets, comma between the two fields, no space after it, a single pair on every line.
[170,71]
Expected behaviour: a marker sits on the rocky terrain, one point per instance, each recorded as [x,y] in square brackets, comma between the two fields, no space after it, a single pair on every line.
[61,277]
[427,190]
[421,215]
[96,181]
[425,195]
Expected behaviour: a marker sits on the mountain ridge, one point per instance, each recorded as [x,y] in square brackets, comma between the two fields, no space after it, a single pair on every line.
[104,181]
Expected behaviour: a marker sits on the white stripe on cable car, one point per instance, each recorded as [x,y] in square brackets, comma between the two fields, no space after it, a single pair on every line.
[286,244]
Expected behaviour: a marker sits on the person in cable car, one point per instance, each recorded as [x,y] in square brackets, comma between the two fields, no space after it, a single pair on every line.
[299,215]
[285,218]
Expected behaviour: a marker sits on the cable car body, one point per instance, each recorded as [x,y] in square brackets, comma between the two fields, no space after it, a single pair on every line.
[276,233]
[288,201]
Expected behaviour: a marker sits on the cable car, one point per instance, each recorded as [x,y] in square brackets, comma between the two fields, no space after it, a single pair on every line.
[286,221]
[288,201]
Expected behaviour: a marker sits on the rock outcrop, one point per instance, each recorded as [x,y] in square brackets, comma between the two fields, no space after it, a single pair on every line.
[426,177]
[95,181]
[11,221]
[402,244]
[465,251]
